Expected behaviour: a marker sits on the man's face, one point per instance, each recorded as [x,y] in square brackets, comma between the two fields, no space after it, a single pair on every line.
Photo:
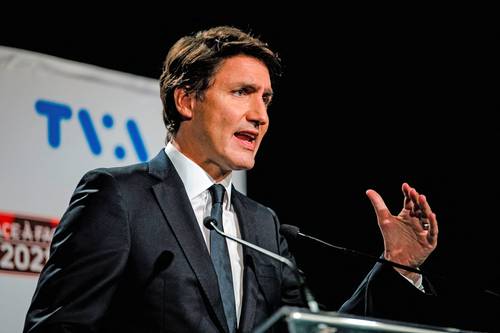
[229,122]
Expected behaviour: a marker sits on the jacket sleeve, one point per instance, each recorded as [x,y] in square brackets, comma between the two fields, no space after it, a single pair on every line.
[88,254]
[384,293]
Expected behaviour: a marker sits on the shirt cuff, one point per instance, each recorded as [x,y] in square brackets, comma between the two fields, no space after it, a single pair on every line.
[418,284]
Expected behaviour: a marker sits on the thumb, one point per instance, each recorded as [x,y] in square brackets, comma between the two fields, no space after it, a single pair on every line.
[378,205]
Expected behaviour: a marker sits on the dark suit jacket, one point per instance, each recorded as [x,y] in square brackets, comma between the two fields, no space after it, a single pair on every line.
[128,256]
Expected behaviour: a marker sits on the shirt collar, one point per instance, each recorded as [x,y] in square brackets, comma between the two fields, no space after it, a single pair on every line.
[195,179]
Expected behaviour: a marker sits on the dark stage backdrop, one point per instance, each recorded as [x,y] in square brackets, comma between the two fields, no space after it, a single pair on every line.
[370,98]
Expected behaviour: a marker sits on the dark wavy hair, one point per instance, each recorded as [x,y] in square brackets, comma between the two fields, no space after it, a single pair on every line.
[192,62]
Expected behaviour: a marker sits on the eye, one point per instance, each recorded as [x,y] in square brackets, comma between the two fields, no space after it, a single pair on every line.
[240,92]
[267,98]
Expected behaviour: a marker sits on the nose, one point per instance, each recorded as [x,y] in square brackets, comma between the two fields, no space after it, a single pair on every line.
[258,113]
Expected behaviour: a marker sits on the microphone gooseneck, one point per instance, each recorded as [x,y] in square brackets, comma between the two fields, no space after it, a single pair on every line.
[293,232]
[211,224]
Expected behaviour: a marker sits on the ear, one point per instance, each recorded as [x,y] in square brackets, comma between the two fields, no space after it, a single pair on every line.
[184,102]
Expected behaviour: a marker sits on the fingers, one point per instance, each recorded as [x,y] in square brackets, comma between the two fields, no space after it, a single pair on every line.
[407,204]
[378,204]
[411,201]
[419,207]
[423,212]
[428,218]
[415,205]
[433,229]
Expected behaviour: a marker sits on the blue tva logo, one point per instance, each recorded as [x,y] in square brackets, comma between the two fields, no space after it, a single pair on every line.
[56,113]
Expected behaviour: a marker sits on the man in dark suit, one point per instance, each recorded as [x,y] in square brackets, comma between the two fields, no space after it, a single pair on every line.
[131,253]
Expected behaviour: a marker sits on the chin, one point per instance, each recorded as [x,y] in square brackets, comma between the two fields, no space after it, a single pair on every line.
[243,164]
[241,161]
[246,166]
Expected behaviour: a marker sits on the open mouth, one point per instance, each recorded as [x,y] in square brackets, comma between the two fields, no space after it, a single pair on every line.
[247,138]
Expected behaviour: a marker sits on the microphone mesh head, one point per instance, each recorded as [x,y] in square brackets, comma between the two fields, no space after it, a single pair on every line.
[289,231]
[207,222]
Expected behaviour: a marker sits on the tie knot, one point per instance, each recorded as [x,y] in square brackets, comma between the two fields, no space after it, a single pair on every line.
[217,192]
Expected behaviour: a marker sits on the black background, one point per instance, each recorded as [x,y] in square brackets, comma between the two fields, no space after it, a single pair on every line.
[371,97]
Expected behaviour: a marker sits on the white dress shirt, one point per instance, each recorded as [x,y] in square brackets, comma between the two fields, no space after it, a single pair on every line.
[196,182]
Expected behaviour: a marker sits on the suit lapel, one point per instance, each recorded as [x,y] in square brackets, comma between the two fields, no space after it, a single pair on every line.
[248,232]
[176,207]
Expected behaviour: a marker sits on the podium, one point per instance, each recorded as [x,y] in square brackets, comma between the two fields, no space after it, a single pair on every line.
[301,320]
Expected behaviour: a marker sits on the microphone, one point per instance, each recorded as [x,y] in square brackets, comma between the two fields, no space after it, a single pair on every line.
[293,232]
[211,224]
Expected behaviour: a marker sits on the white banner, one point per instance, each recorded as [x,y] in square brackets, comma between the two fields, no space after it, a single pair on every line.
[59,119]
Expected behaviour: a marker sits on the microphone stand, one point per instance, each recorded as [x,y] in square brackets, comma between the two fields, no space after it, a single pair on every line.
[306,293]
